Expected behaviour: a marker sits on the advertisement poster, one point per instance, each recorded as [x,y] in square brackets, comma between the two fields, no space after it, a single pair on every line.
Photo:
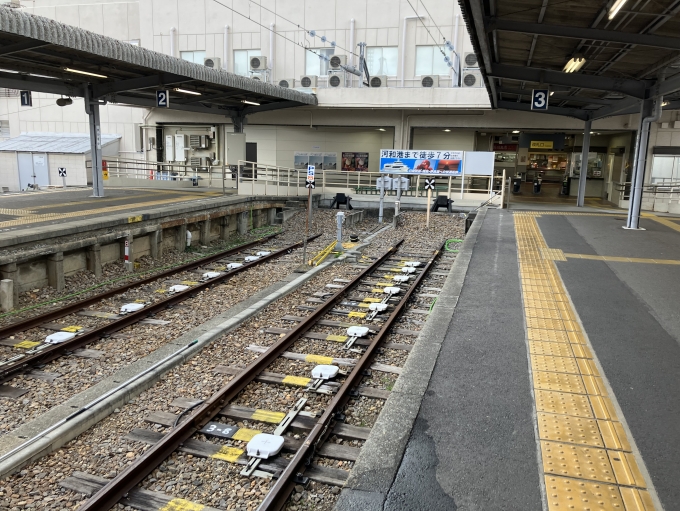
[395,161]
[301,161]
[316,159]
[330,161]
[354,162]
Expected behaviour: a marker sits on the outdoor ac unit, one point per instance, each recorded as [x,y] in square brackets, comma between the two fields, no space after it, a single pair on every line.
[337,61]
[429,81]
[213,62]
[336,80]
[378,81]
[470,60]
[308,81]
[258,63]
[472,78]
[256,78]
[288,83]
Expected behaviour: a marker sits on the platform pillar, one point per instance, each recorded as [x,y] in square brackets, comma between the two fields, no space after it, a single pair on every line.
[205,232]
[94,259]
[155,247]
[582,178]
[242,225]
[11,272]
[182,238]
[224,227]
[271,216]
[55,271]
[129,262]
[6,295]
[92,110]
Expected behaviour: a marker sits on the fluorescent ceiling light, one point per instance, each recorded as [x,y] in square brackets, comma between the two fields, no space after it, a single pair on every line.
[381,129]
[552,92]
[665,103]
[447,130]
[515,131]
[616,8]
[78,71]
[185,91]
[250,102]
[574,64]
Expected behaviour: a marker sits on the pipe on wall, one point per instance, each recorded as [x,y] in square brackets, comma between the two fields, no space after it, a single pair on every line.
[403,44]
[225,49]
[271,51]
[455,70]
[351,48]
[173,42]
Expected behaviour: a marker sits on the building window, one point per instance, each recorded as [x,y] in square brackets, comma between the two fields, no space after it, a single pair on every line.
[134,42]
[195,56]
[382,60]
[665,170]
[430,61]
[242,61]
[315,64]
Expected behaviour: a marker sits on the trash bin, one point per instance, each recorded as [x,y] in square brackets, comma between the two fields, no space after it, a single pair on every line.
[516,183]
[537,185]
[566,186]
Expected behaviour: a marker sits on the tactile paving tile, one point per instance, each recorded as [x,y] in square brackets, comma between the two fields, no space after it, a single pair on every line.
[587,366]
[626,469]
[581,351]
[571,494]
[594,385]
[540,304]
[539,334]
[614,435]
[564,403]
[636,500]
[560,382]
[574,430]
[555,349]
[555,364]
[568,460]
[603,408]
[533,312]
[576,337]
[547,324]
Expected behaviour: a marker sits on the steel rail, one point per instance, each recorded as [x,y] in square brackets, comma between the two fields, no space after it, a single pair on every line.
[45,355]
[277,496]
[118,487]
[36,321]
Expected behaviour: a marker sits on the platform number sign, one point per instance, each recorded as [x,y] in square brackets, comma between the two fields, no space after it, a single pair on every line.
[163,99]
[429,184]
[62,171]
[26,98]
[310,176]
[539,99]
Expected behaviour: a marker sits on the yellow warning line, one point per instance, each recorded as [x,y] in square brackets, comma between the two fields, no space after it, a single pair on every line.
[555,254]
[587,463]
[46,217]
[16,212]
[663,221]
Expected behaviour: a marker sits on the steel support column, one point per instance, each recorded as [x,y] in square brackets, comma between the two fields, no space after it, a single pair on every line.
[584,164]
[92,110]
[648,114]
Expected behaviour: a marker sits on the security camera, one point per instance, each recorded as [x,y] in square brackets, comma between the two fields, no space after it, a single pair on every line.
[64,101]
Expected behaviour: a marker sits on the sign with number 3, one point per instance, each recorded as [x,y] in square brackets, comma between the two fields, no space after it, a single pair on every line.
[539,99]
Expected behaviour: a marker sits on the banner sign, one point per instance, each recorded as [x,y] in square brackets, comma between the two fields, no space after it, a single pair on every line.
[354,162]
[541,144]
[505,147]
[394,161]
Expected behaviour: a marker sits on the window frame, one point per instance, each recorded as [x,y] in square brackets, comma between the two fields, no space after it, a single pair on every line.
[309,54]
[250,52]
[396,61]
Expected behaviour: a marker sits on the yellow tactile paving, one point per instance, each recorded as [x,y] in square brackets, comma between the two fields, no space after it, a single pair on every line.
[618,259]
[587,458]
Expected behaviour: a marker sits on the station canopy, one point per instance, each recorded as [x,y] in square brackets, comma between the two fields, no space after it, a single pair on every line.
[43,55]
[624,51]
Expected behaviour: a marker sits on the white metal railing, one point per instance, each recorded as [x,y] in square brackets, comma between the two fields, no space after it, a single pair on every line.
[662,197]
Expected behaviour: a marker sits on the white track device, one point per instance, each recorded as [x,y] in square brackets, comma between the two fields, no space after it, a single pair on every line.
[400,278]
[211,275]
[132,307]
[390,290]
[264,445]
[233,266]
[408,269]
[354,332]
[262,254]
[321,373]
[414,264]
[59,337]
[250,259]
[178,288]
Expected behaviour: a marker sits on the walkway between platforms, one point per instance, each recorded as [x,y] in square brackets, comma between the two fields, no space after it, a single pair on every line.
[556,385]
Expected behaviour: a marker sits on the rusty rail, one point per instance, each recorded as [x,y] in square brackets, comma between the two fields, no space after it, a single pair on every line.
[118,487]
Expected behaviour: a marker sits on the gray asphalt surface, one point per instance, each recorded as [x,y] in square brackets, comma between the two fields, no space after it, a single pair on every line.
[624,307]
[473,445]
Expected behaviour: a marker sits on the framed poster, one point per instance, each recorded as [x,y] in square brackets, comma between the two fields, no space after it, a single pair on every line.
[301,160]
[354,162]
[394,161]
[330,161]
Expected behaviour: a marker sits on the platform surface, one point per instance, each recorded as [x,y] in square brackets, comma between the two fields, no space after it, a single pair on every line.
[557,383]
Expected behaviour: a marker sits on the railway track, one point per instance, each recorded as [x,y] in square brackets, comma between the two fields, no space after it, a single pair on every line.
[64,338]
[370,310]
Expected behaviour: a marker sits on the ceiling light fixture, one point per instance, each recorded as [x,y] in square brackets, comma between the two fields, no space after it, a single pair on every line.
[78,71]
[515,131]
[574,64]
[665,103]
[381,129]
[250,102]
[447,130]
[186,91]
[64,101]
[552,92]
[616,8]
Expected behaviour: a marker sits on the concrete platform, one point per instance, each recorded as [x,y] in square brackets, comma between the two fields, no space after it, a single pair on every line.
[553,385]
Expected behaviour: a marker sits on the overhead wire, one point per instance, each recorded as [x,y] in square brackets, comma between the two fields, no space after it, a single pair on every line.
[428,31]
[433,21]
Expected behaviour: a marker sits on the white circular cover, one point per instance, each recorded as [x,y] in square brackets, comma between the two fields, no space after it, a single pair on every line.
[250,259]
[263,253]
[412,263]
[132,307]
[211,274]
[58,337]
[378,307]
[233,266]
[264,445]
[400,278]
[357,331]
[177,288]
[408,269]
[391,290]
[325,372]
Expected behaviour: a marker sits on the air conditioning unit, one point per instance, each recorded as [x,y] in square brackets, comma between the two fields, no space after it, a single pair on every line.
[378,81]
[337,61]
[472,78]
[213,62]
[470,60]
[336,80]
[288,83]
[308,81]
[258,63]
[256,78]
[429,81]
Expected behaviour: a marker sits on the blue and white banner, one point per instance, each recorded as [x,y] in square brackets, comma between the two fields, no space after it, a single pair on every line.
[396,161]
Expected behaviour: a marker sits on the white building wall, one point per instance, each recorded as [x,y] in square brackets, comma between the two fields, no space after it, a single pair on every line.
[9,170]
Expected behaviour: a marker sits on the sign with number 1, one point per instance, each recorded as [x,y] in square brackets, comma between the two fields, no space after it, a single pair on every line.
[26,98]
